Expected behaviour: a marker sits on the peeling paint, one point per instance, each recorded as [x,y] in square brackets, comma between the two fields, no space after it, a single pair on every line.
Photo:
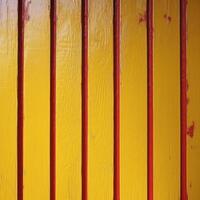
[190,130]
[142,17]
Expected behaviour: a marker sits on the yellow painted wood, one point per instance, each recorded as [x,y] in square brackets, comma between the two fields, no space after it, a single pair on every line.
[69,100]
[166,100]
[193,72]
[8,99]
[100,99]
[133,101]
[36,116]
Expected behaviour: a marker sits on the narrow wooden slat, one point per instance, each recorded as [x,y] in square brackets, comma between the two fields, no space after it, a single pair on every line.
[166,100]
[37,100]
[100,100]
[84,99]
[150,98]
[8,99]
[116,78]
[68,100]
[193,99]
[53,100]
[20,92]
[133,104]
[183,91]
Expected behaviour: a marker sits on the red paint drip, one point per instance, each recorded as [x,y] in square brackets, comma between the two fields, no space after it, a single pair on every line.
[53,100]
[150,99]
[20,98]
[116,28]
[142,17]
[190,130]
[84,99]
[183,58]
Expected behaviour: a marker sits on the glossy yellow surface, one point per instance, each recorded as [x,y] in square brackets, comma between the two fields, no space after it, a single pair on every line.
[36,97]
[69,100]
[100,99]
[166,100]
[133,100]
[8,100]
[193,71]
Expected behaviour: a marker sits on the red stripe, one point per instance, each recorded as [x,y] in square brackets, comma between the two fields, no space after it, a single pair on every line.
[84,99]
[150,97]
[20,94]
[116,99]
[53,100]
[183,71]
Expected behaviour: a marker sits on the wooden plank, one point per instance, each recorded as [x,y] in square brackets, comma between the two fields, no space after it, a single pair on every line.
[193,72]
[133,100]
[69,100]
[8,99]
[100,167]
[166,100]
[37,96]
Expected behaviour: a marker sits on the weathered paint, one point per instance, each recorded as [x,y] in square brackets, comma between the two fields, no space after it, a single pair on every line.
[133,107]
[8,100]
[193,77]
[37,101]
[133,100]
[166,101]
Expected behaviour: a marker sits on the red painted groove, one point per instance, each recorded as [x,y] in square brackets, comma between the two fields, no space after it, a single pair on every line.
[53,100]
[84,99]
[183,89]
[150,99]
[116,46]
[20,97]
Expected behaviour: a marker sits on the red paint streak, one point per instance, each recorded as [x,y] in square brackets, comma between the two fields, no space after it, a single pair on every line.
[183,55]
[53,100]
[84,99]
[190,130]
[142,17]
[150,97]
[20,97]
[116,28]
[168,18]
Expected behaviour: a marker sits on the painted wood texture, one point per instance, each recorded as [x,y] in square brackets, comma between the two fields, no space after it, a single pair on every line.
[133,113]
[100,169]
[36,100]
[133,100]
[8,100]
[193,77]
[166,100]
[69,100]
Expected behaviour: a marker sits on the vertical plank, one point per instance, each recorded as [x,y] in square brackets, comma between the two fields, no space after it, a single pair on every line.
[8,99]
[69,100]
[100,167]
[133,100]
[167,100]
[37,96]
[193,67]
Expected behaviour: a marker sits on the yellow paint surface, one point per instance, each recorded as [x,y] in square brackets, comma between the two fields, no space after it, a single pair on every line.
[8,100]
[100,100]
[133,101]
[193,71]
[166,100]
[36,116]
[69,100]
